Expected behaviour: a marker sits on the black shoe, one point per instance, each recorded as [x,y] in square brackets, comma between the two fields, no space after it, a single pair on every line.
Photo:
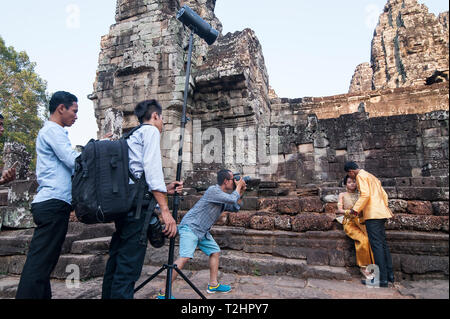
[155,233]
[384,284]
[391,278]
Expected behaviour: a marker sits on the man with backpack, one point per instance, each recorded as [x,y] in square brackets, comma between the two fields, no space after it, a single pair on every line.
[127,251]
[52,205]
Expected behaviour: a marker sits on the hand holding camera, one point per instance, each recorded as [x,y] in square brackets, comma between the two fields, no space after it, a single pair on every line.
[241,186]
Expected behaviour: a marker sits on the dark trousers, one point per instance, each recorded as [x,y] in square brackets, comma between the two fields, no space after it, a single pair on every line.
[51,218]
[377,238]
[126,258]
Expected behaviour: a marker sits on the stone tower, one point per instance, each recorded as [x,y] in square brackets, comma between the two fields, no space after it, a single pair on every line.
[409,46]
[144,56]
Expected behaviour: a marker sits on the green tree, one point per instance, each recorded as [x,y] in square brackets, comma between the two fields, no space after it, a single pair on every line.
[23,99]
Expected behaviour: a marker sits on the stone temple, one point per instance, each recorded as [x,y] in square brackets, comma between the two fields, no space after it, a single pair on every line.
[393,122]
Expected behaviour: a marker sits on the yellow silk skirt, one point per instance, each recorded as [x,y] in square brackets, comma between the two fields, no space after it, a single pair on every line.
[358,233]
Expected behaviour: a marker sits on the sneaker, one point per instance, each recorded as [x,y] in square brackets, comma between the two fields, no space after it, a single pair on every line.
[163,296]
[219,288]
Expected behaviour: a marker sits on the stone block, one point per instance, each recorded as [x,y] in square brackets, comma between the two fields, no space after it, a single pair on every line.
[425,182]
[326,191]
[331,198]
[13,245]
[413,264]
[317,256]
[269,204]
[402,181]
[337,257]
[440,208]
[290,185]
[418,222]
[240,219]
[422,193]
[89,246]
[417,207]
[311,204]
[268,184]
[265,192]
[89,266]
[288,205]
[398,206]
[262,222]
[312,221]
[250,203]
[330,208]
[283,222]
[17,217]
[4,197]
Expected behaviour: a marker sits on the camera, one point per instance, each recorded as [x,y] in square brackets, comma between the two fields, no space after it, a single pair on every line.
[250,182]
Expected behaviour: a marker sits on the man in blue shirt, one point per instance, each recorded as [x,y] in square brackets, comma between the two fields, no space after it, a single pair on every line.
[195,226]
[52,205]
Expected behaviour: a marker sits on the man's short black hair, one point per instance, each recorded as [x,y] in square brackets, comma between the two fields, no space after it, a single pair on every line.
[61,97]
[222,175]
[145,109]
[350,166]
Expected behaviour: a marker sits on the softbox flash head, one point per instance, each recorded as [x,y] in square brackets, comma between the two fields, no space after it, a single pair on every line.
[200,27]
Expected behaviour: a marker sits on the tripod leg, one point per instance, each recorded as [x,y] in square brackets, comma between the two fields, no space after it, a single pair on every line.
[189,282]
[149,279]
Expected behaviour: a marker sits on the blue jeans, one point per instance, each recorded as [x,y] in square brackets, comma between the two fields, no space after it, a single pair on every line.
[377,238]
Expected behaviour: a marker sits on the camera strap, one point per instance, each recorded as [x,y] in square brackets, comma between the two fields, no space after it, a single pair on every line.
[148,215]
[141,185]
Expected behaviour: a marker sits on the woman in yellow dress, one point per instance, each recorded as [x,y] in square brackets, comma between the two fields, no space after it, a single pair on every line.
[353,228]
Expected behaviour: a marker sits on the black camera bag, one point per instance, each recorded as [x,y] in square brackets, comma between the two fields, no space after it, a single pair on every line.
[101,192]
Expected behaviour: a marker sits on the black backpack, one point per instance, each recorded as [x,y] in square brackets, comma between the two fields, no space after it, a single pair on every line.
[101,192]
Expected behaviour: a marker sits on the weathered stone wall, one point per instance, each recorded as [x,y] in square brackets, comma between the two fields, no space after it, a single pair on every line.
[144,57]
[409,46]
[362,78]
[314,150]
[16,196]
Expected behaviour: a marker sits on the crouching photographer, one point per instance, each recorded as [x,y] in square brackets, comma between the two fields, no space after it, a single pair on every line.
[194,229]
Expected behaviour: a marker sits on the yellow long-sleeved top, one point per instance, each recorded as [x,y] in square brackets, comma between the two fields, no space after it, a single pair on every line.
[373,200]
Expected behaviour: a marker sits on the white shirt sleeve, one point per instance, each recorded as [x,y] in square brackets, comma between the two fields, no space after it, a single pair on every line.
[151,159]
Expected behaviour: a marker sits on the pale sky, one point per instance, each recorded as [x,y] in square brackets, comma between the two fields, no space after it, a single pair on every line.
[311,48]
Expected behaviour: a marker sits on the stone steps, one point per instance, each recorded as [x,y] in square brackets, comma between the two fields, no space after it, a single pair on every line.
[231,261]
[313,254]
[89,256]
